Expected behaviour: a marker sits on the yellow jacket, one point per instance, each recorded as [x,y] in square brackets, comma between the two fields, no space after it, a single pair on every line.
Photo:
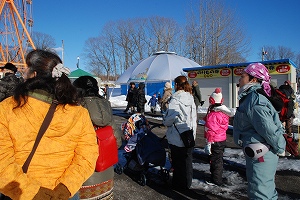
[67,152]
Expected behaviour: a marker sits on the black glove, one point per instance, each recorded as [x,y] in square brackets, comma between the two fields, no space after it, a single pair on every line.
[201,103]
[61,192]
[44,194]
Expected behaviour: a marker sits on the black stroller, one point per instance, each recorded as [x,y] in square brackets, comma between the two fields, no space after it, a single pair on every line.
[144,149]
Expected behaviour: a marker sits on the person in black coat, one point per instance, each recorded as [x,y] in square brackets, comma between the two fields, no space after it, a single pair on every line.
[131,98]
[141,98]
[9,82]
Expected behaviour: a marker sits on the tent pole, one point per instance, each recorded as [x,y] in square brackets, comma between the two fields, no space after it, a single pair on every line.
[111,92]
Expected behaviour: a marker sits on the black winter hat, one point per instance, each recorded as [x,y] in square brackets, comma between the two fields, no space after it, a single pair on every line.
[10,66]
[142,85]
[87,83]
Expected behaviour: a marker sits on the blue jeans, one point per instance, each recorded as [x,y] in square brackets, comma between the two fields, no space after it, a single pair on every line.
[75,197]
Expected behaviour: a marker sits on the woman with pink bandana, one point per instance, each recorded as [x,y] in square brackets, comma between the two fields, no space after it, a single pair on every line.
[258,130]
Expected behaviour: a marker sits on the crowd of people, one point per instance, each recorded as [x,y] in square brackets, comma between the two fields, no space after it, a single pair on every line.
[67,150]
[262,126]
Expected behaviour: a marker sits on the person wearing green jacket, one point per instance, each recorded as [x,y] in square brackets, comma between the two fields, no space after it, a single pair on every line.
[196,94]
[100,184]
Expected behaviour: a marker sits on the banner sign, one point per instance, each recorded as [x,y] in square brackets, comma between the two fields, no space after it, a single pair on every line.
[273,69]
[210,73]
[237,71]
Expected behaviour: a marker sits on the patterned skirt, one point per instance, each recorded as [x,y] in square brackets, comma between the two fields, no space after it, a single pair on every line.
[103,191]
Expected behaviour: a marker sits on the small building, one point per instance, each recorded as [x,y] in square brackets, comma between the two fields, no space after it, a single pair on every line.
[226,77]
[79,72]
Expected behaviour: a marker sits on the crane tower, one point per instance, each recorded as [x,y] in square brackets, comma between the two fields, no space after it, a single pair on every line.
[15,29]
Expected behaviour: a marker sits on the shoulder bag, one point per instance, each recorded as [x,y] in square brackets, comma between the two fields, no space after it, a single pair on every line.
[108,149]
[187,137]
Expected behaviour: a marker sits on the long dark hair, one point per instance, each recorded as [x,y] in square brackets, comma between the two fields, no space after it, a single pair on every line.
[183,84]
[42,63]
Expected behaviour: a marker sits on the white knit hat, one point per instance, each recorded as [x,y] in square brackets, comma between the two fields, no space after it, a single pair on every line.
[167,85]
[216,97]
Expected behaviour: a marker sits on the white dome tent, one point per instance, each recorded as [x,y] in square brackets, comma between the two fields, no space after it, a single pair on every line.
[155,70]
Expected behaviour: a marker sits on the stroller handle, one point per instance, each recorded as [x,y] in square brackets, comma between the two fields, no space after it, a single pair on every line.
[157,125]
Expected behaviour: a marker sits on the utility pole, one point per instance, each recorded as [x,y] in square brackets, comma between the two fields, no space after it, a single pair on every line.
[78,62]
[62,51]
[263,53]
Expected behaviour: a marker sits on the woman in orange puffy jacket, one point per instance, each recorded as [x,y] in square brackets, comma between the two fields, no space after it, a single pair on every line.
[67,153]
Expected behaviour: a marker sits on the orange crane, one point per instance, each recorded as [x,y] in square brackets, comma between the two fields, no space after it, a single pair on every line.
[15,26]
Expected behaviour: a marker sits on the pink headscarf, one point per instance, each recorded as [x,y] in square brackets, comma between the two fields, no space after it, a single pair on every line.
[259,71]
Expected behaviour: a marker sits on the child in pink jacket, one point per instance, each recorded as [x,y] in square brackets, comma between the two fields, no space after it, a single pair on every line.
[216,125]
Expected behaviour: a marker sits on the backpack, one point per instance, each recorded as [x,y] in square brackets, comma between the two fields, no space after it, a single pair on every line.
[99,109]
[287,108]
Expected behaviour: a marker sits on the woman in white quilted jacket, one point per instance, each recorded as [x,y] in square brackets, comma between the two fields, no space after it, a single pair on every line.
[182,113]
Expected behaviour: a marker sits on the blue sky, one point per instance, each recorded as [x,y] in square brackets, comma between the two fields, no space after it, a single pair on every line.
[265,22]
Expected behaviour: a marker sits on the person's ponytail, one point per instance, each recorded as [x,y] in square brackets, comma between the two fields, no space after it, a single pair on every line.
[187,87]
[183,84]
[65,92]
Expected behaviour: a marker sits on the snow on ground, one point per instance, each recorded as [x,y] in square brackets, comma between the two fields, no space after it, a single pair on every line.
[237,155]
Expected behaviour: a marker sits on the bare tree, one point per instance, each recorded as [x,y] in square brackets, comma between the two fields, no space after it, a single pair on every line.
[285,52]
[124,39]
[215,37]
[297,60]
[268,53]
[97,51]
[212,37]
[112,46]
[130,38]
[297,63]
[139,38]
[281,52]
[162,32]
[43,40]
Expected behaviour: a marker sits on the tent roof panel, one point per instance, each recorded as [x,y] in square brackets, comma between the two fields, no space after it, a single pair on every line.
[79,72]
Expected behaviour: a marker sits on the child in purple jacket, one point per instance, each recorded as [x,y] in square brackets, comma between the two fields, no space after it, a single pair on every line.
[216,125]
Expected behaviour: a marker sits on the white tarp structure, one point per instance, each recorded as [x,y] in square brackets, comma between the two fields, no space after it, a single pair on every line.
[161,66]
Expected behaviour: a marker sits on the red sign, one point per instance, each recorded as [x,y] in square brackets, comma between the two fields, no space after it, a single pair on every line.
[225,72]
[192,74]
[238,71]
[283,68]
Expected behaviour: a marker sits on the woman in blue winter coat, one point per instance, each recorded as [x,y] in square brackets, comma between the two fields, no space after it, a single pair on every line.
[182,114]
[258,130]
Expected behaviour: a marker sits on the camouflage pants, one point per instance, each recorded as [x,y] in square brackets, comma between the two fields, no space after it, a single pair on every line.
[288,124]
